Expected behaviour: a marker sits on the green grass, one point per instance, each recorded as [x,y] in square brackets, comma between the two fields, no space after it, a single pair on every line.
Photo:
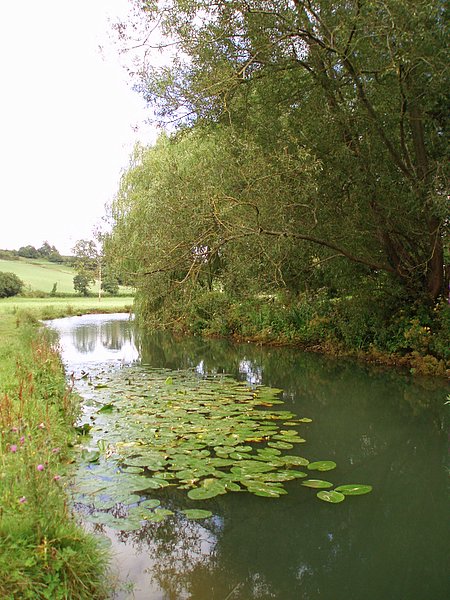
[51,308]
[44,554]
[41,275]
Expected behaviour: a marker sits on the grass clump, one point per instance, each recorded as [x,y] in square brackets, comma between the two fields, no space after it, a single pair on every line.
[43,552]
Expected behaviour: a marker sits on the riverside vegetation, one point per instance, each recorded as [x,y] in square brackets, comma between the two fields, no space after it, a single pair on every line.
[302,194]
[44,553]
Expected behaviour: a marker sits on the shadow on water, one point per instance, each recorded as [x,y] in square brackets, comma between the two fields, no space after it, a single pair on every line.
[381,427]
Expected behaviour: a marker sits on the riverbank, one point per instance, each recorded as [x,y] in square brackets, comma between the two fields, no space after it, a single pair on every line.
[44,553]
[55,307]
[416,338]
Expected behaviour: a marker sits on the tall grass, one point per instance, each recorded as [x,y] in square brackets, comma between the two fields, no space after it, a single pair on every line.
[43,552]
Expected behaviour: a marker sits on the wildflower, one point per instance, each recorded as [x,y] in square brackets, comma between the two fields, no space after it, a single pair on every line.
[22,500]
[56,477]
[55,450]
[14,429]
[40,467]
[22,440]
[41,426]
[13,448]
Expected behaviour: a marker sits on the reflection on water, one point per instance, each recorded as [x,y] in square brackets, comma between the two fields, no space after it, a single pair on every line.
[381,427]
[96,338]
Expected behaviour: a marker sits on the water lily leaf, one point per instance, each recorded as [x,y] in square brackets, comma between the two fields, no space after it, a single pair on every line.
[207,490]
[106,408]
[331,496]
[151,483]
[232,486]
[284,476]
[354,489]
[90,455]
[149,504]
[132,470]
[126,499]
[317,483]
[322,465]
[125,524]
[196,513]
[295,460]
[102,504]
[267,490]
[281,445]
[102,518]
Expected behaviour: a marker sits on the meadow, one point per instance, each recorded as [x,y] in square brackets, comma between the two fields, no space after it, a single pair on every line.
[41,275]
[52,308]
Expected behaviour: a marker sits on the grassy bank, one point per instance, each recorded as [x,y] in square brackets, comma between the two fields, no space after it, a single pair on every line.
[44,554]
[53,308]
[362,326]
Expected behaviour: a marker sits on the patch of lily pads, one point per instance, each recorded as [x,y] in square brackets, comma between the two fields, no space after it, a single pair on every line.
[151,429]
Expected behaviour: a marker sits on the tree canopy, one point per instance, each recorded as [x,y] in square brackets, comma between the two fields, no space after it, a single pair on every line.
[309,147]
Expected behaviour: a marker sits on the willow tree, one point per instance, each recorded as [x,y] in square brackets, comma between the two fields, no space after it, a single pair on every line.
[359,85]
[190,211]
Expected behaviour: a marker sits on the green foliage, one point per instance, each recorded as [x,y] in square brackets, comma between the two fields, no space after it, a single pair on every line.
[10,285]
[28,252]
[209,436]
[81,283]
[43,553]
[110,284]
[335,148]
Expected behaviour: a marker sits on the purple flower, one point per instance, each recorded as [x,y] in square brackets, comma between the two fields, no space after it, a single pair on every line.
[14,429]
[22,439]
[55,450]
[40,467]
[56,477]
[13,448]
[22,500]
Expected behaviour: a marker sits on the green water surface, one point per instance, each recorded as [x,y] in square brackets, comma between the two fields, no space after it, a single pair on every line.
[381,427]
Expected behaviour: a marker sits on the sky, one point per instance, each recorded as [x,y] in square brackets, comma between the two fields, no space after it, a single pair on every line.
[68,119]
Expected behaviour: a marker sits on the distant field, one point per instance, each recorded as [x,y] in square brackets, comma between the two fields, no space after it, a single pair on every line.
[48,308]
[41,274]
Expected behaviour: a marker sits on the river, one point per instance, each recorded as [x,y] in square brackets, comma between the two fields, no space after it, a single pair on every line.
[381,427]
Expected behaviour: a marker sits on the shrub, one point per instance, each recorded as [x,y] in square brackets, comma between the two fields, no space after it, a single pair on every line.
[10,285]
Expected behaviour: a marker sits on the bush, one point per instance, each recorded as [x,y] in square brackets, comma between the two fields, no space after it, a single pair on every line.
[10,285]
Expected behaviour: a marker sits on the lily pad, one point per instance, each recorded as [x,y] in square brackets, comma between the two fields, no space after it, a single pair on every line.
[354,489]
[331,496]
[322,465]
[197,513]
[317,483]
[151,503]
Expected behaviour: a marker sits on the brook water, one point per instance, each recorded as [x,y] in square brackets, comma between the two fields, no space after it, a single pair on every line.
[381,427]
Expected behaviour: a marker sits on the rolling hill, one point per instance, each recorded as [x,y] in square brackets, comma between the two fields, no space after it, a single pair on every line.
[39,274]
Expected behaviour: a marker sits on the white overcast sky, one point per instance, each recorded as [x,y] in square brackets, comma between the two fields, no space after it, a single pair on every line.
[67,119]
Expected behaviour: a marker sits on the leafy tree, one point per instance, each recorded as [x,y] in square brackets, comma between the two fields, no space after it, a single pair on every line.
[10,285]
[359,87]
[50,253]
[28,252]
[110,284]
[81,283]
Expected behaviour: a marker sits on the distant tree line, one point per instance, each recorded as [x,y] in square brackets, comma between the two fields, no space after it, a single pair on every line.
[46,251]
